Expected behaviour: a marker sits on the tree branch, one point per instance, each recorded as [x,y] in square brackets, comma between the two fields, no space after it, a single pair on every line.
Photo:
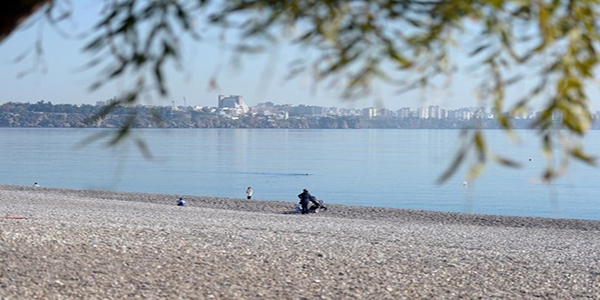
[14,12]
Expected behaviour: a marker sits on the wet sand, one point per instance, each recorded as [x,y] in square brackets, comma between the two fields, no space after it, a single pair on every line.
[80,244]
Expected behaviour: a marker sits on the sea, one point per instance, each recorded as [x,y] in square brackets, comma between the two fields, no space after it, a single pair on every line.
[392,168]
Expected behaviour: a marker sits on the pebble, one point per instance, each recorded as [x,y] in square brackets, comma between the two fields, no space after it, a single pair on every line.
[113,245]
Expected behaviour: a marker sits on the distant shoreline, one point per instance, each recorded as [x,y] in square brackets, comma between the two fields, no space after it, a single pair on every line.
[337,210]
[46,114]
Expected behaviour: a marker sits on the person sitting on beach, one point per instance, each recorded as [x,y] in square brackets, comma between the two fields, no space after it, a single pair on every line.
[180,202]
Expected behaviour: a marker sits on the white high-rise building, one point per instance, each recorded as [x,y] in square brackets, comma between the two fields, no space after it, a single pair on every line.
[233,102]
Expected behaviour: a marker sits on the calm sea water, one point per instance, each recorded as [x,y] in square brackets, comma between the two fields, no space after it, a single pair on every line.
[381,167]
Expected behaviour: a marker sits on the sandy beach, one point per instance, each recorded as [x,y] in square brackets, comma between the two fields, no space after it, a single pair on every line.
[81,244]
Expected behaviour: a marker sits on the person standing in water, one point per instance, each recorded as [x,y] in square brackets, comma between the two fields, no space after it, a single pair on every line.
[249,193]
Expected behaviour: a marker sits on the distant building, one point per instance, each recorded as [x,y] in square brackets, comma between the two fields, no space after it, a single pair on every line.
[404,112]
[101,103]
[369,112]
[234,104]
[305,110]
[232,101]
[423,112]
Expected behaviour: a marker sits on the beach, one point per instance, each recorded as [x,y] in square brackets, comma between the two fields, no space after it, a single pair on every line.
[84,244]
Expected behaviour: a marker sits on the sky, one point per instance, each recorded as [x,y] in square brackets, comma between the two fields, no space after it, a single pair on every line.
[58,77]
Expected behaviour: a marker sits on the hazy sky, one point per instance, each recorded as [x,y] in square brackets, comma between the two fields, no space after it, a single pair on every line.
[59,77]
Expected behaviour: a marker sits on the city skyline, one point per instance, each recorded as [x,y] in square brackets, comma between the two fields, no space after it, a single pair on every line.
[231,115]
[229,105]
